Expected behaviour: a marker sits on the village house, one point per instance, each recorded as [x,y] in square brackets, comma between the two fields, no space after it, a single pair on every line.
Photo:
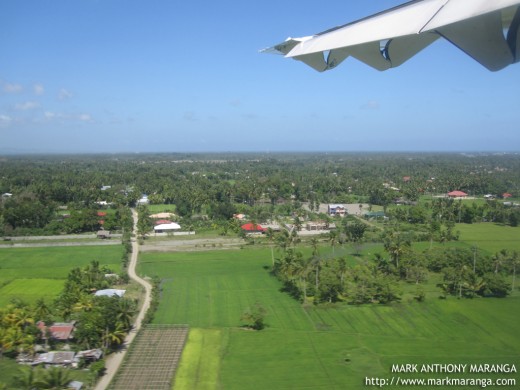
[166,227]
[110,292]
[61,358]
[103,234]
[315,226]
[60,331]
[164,215]
[336,209]
[457,194]
[252,228]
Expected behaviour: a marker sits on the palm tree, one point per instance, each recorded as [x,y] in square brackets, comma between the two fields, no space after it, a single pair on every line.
[125,313]
[41,310]
[315,249]
[54,378]
[332,239]
[282,240]
[499,259]
[115,336]
[26,379]
[342,268]
[85,303]
[396,245]
[302,269]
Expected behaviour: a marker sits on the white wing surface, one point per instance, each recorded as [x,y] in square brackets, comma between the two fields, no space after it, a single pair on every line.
[487,30]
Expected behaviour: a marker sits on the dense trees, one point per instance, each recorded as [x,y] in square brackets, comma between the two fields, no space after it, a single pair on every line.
[217,185]
[65,193]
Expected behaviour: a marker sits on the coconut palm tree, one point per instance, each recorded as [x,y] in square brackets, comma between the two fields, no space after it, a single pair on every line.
[26,379]
[125,313]
[315,249]
[333,237]
[54,378]
[115,336]
[41,310]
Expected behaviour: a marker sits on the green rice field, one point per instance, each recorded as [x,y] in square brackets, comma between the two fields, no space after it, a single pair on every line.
[326,347]
[32,273]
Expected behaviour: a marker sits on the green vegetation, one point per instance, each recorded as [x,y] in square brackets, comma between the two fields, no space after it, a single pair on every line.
[426,278]
[31,273]
[54,262]
[30,290]
[323,346]
[201,360]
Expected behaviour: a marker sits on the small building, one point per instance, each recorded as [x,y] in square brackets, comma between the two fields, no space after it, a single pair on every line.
[61,331]
[110,292]
[166,227]
[336,209]
[75,385]
[315,226]
[506,195]
[143,201]
[164,215]
[62,358]
[252,228]
[457,194]
[162,222]
[103,234]
[90,355]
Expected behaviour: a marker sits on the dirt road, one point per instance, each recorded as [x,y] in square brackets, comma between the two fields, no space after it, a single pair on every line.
[114,361]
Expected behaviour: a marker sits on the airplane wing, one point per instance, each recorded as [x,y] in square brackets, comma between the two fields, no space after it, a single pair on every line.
[487,30]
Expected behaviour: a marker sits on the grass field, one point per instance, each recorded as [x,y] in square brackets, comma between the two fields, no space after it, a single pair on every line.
[32,273]
[333,347]
[490,237]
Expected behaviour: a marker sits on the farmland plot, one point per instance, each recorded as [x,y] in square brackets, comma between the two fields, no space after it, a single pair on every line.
[327,347]
[32,273]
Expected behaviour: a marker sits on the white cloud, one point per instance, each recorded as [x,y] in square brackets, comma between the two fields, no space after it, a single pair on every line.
[370,105]
[27,106]
[58,116]
[63,94]
[38,89]
[50,115]
[12,88]
[5,120]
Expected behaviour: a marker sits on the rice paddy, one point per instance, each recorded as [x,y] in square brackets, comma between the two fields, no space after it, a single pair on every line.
[326,347]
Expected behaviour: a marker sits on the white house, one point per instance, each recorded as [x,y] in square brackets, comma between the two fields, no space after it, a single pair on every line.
[166,227]
[143,201]
[336,209]
[110,292]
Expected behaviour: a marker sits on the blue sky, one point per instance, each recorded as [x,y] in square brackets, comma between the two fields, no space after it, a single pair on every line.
[169,76]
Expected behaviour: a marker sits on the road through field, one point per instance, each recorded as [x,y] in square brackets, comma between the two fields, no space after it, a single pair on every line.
[114,361]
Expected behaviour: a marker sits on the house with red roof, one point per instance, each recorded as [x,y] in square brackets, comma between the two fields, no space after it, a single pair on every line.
[252,228]
[457,194]
[162,221]
[61,331]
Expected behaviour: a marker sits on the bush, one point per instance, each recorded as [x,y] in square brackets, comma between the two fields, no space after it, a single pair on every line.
[254,317]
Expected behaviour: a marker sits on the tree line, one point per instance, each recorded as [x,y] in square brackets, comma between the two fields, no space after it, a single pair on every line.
[223,184]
